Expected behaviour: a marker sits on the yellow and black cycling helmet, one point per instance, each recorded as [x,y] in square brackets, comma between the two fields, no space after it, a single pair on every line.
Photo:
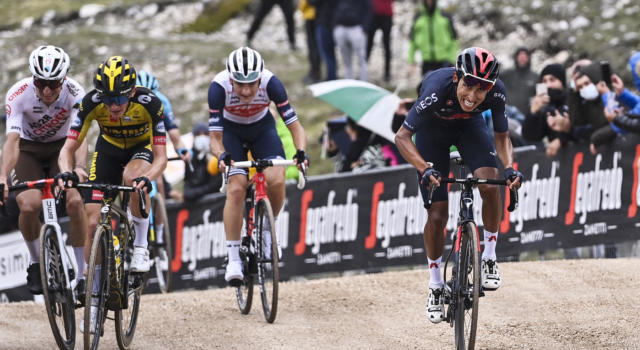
[115,77]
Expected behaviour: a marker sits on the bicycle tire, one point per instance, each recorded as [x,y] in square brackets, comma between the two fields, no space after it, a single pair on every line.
[100,246]
[244,292]
[126,319]
[468,293]
[163,252]
[58,300]
[268,271]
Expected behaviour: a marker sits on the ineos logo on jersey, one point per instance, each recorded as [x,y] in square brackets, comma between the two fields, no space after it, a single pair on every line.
[144,99]
[500,96]
[426,102]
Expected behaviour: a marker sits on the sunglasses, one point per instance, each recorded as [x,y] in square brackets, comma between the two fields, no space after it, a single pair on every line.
[471,81]
[42,83]
[118,100]
[239,77]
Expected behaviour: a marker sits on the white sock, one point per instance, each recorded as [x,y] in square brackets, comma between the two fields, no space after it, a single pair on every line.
[79,253]
[490,241]
[435,277]
[159,234]
[141,226]
[34,250]
[233,250]
[96,279]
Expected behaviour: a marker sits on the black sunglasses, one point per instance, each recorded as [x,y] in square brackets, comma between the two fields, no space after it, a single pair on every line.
[42,83]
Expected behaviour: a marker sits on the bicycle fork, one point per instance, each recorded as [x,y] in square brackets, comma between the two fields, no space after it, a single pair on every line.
[51,219]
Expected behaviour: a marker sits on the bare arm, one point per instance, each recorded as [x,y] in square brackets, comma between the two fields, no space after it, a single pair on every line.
[505,153]
[217,148]
[174,135]
[159,161]
[410,152]
[298,134]
[10,154]
[68,153]
[80,157]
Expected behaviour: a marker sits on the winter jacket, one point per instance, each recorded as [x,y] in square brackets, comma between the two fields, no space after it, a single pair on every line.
[434,36]
[521,84]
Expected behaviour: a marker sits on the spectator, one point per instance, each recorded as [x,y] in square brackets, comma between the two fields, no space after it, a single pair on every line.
[324,34]
[520,80]
[199,182]
[586,108]
[434,36]
[309,15]
[627,121]
[365,150]
[545,106]
[352,19]
[264,9]
[382,19]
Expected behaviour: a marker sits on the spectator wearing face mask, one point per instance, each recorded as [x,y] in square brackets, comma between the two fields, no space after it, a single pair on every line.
[199,182]
[548,110]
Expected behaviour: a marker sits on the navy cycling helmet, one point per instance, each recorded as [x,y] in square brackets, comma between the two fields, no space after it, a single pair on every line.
[147,80]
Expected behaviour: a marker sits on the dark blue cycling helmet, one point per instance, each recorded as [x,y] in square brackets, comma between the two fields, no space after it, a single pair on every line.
[147,80]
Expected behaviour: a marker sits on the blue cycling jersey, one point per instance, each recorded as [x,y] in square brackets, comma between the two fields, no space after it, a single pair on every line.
[169,117]
[438,99]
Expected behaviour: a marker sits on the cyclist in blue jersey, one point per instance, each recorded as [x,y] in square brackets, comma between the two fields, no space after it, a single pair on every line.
[449,112]
[239,117]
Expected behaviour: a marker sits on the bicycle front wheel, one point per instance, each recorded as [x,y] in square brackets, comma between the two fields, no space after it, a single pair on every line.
[97,288]
[127,318]
[268,274]
[244,292]
[468,293]
[162,253]
[58,296]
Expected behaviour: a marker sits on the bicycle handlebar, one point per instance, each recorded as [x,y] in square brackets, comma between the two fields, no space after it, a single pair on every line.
[109,188]
[265,163]
[513,194]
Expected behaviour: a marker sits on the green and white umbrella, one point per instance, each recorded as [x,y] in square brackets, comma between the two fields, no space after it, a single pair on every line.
[369,105]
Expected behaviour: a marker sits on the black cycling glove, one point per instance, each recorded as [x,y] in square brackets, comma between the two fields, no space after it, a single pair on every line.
[66,177]
[226,158]
[147,183]
[511,175]
[301,156]
[425,180]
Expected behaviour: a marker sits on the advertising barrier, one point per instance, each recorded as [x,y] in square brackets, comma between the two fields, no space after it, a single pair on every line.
[374,220]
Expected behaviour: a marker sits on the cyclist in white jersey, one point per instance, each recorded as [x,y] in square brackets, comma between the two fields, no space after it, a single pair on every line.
[239,116]
[39,110]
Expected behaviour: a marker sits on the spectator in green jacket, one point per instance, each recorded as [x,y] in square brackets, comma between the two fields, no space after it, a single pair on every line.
[434,36]
[289,147]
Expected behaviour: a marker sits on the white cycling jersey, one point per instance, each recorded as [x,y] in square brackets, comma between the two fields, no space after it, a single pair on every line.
[33,119]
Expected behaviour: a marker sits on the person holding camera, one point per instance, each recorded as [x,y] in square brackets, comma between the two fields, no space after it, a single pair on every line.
[548,115]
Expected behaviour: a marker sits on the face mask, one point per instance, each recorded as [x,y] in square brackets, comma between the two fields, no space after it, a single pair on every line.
[201,143]
[589,92]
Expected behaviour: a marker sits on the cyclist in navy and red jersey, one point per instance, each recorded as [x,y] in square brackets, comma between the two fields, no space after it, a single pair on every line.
[448,112]
[239,99]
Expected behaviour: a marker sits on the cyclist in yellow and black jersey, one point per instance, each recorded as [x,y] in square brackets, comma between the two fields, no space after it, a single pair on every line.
[130,148]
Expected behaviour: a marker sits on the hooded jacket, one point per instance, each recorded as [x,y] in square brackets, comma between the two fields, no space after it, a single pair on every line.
[520,82]
[433,35]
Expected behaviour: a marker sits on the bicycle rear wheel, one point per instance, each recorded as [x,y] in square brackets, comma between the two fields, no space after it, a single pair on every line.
[468,293]
[162,253]
[99,257]
[268,274]
[58,298]
[244,292]
[133,283]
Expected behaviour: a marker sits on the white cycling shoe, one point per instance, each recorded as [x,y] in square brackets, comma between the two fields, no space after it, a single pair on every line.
[94,321]
[234,271]
[140,260]
[491,279]
[435,305]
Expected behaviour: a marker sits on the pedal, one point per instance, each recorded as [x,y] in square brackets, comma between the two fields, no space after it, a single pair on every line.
[236,283]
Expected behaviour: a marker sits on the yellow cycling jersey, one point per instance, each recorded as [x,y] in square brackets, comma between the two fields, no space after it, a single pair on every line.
[142,122]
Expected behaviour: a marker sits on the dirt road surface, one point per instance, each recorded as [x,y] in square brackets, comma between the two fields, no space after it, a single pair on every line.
[575,304]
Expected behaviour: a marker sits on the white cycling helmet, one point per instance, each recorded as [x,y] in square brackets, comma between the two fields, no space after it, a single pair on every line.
[49,63]
[245,65]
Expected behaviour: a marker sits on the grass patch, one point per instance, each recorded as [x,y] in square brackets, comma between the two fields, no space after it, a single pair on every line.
[216,15]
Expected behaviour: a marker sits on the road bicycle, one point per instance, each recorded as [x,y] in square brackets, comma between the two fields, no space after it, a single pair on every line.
[160,253]
[257,265]
[59,278]
[463,291]
[119,289]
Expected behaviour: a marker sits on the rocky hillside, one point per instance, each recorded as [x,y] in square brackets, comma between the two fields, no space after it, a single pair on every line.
[150,35]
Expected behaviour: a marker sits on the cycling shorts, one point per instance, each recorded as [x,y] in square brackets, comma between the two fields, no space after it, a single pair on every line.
[37,160]
[261,138]
[108,163]
[470,136]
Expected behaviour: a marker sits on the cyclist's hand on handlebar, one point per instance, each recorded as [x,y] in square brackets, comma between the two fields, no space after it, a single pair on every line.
[301,157]
[514,178]
[67,179]
[224,161]
[142,182]
[430,177]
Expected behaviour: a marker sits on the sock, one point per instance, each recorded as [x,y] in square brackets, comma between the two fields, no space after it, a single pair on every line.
[96,279]
[159,234]
[490,241]
[79,253]
[233,250]
[141,226]
[435,277]
[34,250]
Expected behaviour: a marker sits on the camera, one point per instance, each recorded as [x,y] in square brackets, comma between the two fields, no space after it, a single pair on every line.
[605,69]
